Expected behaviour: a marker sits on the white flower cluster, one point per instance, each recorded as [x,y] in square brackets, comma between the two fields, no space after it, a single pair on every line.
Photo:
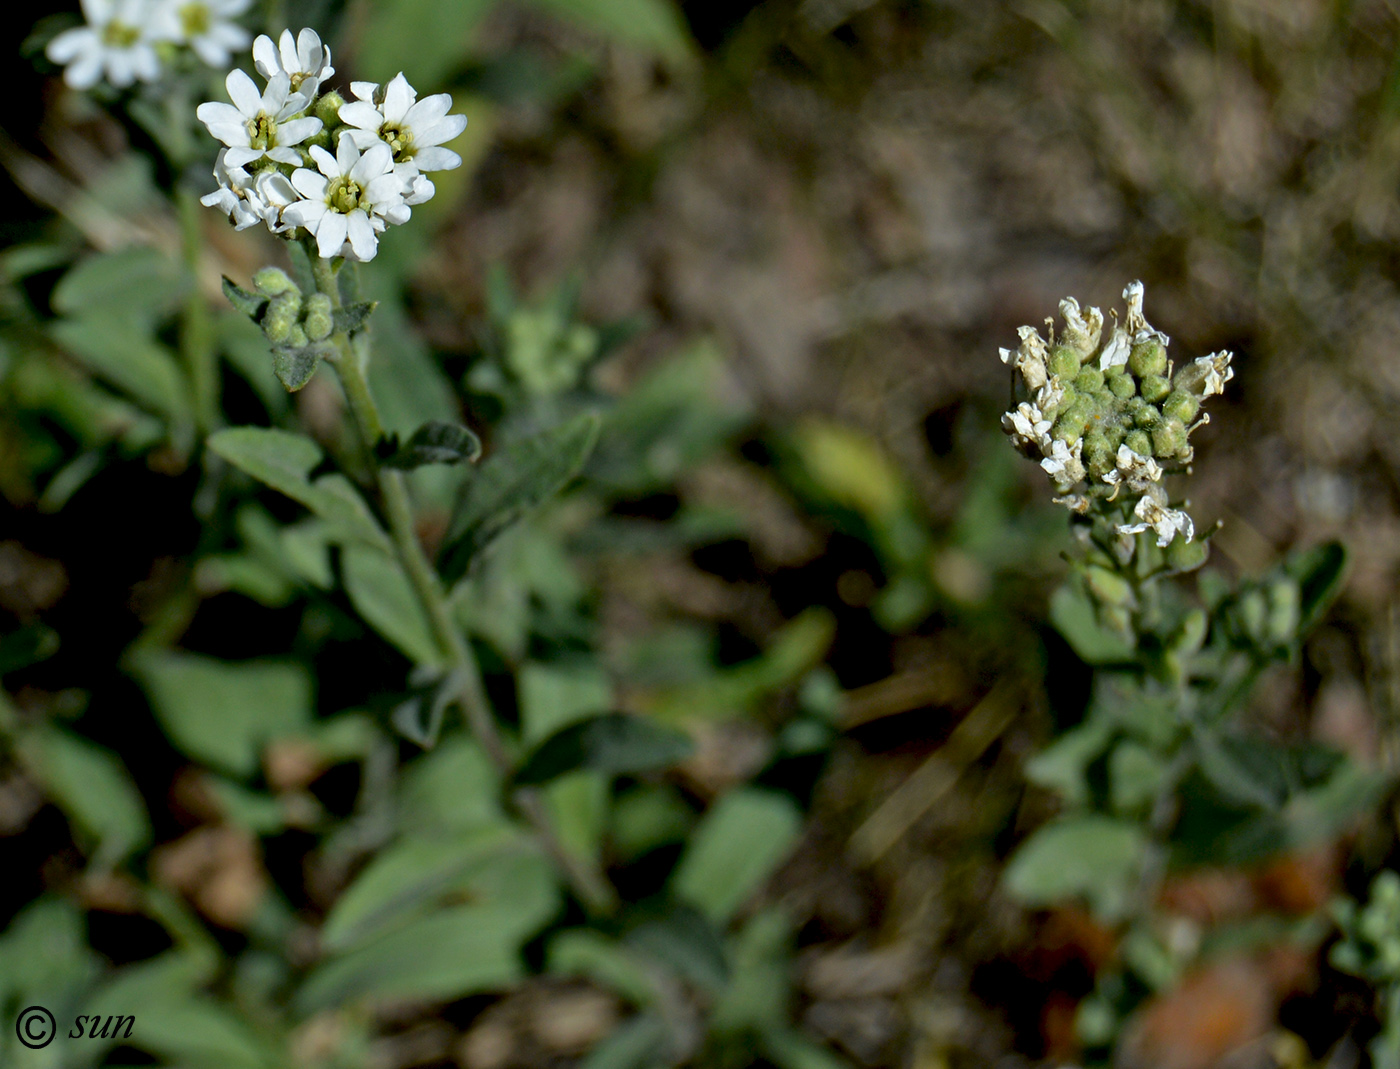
[1104,419]
[277,168]
[123,39]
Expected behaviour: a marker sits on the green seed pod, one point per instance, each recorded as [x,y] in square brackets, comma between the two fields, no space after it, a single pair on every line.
[327,109]
[272,281]
[1122,384]
[1154,388]
[1107,587]
[1064,362]
[1069,427]
[318,322]
[1181,405]
[1089,379]
[1147,416]
[1186,556]
[1139,443]
[1168,437]
[282,314]
[1148,358]
[1098,454]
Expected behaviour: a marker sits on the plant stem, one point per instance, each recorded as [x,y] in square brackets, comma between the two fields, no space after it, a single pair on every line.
[196,329]
[590,885]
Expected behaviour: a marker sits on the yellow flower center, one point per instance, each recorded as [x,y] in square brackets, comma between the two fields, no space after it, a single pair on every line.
[119,35]
[262,131]
[345,195]
[195,19]
[398,139]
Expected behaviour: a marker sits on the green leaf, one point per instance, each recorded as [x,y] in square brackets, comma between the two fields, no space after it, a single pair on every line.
[638,1044]
[510,483]
[739,844]
[294,365]
[1073,615]
[588,952]
[447,954]
[410,878]
[352,317]
[683,939]
[616,744]
[283,461]
[383,595]
[1319,572]
[453,789]
[553,696]
[788,1048]
[128,358]
[223,713]
[135,282]
[436,442]
[1093,856]
[760,987]
[653,25]
[29,645]
[245,301]
[246,349]
[93,788]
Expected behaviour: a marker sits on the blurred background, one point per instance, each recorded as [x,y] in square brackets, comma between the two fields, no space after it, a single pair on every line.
[837,210]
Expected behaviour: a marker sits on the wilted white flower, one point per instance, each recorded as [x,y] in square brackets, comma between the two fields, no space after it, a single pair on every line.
[1051,395]
[1134,469]
[351,201]
[415,130]
[1082,332]
[1217,372]
[205,26]
[1063,463]
[117,41]
[1167,523]
[235,196]
[257,125]
[1030,358]
[275,192]
[1138,327]
[305,61]
[1116,352]
[1027,426]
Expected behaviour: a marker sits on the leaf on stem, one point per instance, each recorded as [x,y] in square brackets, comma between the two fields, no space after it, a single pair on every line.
[436,442]
[616,744]
[296,365]
[352,317]
[246,301]
[510,483]
[383,595]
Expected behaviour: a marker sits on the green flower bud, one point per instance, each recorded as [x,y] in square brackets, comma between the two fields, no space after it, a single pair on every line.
[327,109]
[1154,388]
[1185,556]
[272,281]
[1089,379]
[1169,437]
[1147,416]
[1064,362]
[1098,454]
[282,314]
[1181,405]
[1121,384]
[1139,443]
[1148,358]
[296,337]
[1254,612]
[1073,418]
[318,322]
[1115,433]
[1192,631]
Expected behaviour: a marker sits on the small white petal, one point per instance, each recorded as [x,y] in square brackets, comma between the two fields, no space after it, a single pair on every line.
[398,98]
[327,163]
[361,234]
[309,184]
[243,93]
[331,233]
[437,159]
[364,116]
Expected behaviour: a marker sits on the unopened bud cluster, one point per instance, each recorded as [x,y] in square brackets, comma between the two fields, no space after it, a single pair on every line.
[1108,418]
[292,321]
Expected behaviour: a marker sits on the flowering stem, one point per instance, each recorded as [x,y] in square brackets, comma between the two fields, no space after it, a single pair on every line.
[590,885]
[196,330]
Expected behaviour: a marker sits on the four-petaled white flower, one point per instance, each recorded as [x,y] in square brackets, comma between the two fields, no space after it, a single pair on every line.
[117,41]
[205,26]
[415,130]
[350,201]
[305,61]
[1167,523]
[254,125]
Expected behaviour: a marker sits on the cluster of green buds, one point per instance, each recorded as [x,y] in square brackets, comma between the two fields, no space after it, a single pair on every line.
[1109,419]
[1370,944]
[545,351]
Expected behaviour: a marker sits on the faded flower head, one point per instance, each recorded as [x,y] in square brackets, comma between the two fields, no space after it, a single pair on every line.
[1109,418]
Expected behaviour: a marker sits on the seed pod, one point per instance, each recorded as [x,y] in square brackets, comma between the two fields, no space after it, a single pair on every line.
[1098,454]
[1064,362]
[1148,358]
[1181,405]
[273,281]
[1154,388]
[1122,385]
[1139,443]
[1168,437]
[1147,416]
[1186,556]
[1089,379]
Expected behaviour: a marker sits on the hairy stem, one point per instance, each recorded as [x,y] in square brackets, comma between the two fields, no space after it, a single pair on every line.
[590,885]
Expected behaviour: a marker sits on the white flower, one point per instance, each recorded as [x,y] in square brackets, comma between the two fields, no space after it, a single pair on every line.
[1027,426]
[1063,463]
[1029,358]
[117,41]
[1115,353]
[1216,372]
[1051,395]
[275,192]
[1164,521]
[253,126]
[415,130]
[206,26]
[236,196]
[351,201]
[1082,332]
[1138,326]
[1135,469]
[305,61]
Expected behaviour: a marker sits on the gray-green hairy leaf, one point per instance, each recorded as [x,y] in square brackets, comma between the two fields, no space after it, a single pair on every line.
[436,442]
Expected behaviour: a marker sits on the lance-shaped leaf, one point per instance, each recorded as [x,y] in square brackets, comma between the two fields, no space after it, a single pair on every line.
[615,743]
[296,364]
[510,483]
[436,442]
[352,317]
[246,301]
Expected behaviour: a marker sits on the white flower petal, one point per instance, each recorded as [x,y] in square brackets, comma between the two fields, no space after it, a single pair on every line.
[295,131]
[331,232]
[347,156]
[243,93]
[398,98]
[238,155]
[439,131]
[365,90]
[307,213]
[364,116]
[436,159]
[326,162]
[68,45]
[289,156]
[361,234]
[265,57]
[309,184]
[428,111]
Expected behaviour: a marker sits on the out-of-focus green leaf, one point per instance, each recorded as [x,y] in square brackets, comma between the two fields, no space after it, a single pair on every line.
[447,954]
[94,789]
[283,461]
[436,442]
[788,1048]
[648,816]
[740,842]
[553,696]
[685,941]
[588,952]
[246,348]
[638,1044]
[453,789]
[295,365]
[132,283]
[221,712]
[1319,572]
[1093,856]
[1073,615]
[383,595]
[129,359]
[428,37]
[246,302]
[408,879]
[654,25]
[760,986]
[29,645]
[510,483]
[578,807]
[615,744]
